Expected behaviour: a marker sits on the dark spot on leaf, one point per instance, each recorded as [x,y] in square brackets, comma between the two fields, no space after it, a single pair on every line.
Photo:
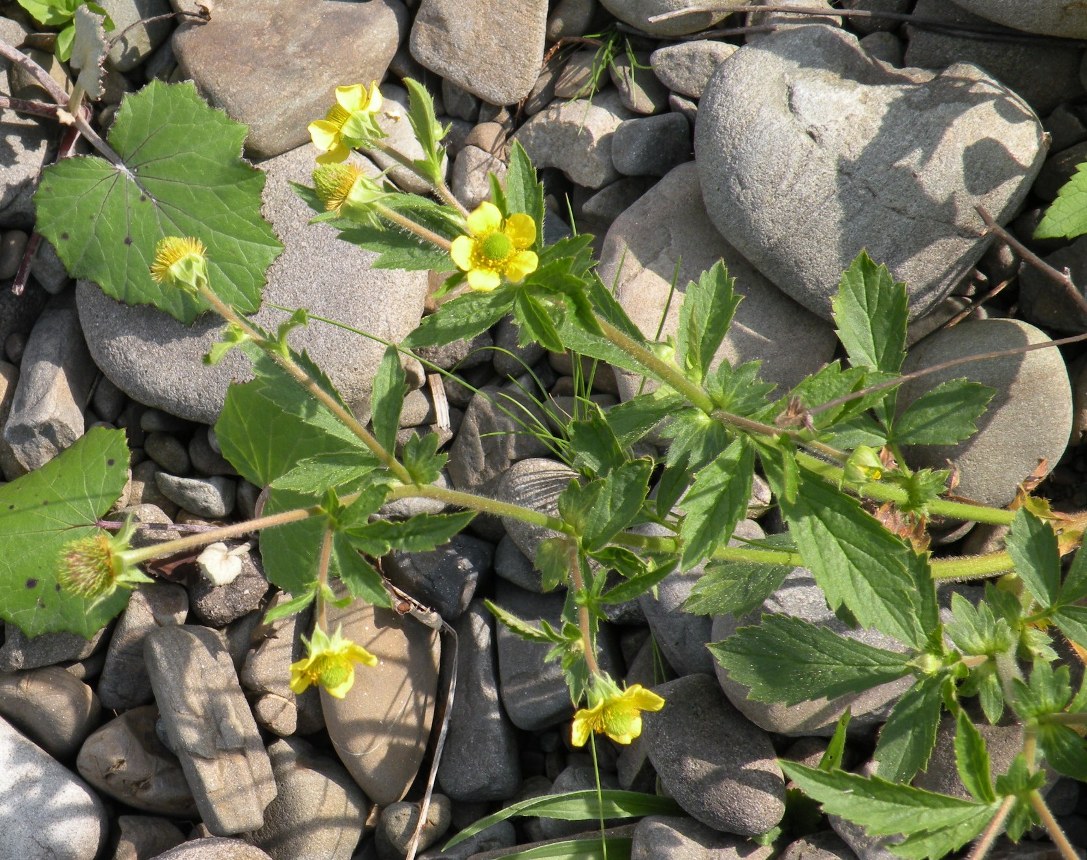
[56,586]
[128,240]
[11,507]
[143,198]
[64,237]
[110,461]
[40,603]
[45,502]
[32,583]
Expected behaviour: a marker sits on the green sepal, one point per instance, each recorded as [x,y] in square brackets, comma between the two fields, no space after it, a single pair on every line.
[421,458]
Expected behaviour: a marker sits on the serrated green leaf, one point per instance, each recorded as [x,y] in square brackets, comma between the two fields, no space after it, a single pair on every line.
[631,420]
[518,626]
[991,697]
[464,317]
[972,760]
[788,660]
[524,193]
[1074,586]
[636,585]
[975,630]
[621,495]
[884,808]
[595,447]
[585,805]
[43,511]
[50,14]
[871,311]
[832,382]
[428,131]
[696,439]
[716,501]
[396,248]
[735,588]
[704,319]
[290,607]
[943,416]
[420,533]
[326,470]
[388,398]
[1064,749]
[739,389]
[857,562]
[1066,217]
[909,735]
[183,176]
[1072,622]
[421,458]
[1047,691]
[553,562]
[1033,547]
[362,579]
[537,321]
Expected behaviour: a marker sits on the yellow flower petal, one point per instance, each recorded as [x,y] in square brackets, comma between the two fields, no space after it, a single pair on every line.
[483,280]
[335,155]
[324,134]
[584,721]
[520,264]
[373,101]
[485,219]
[352,98]
[521,230]
[643,699]
[461,252]
[301,676]
[357,654]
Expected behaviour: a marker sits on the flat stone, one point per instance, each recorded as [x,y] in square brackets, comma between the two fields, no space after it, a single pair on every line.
[535,483]
[1044,75]
[158,361]
[445,579]
[494,55]
[136,40]
[212,497]
[824,845]
[480,761]
[126,760]
[55,380]
[659,837]
[255,60]
[399,820]
[219,605]
[214,848]
[667,228]
[394,699]
[318,811]
[1011,440]
[266,670]
[652,145]
[686,68]
[511,359]
[570,18]
[809,152]
[47,813]
[638,12]
[719,767]
[144,836]
[210,728]
[576,137]
[1050,17]
[639,89]
[168,452]
[19,652]
[1043,302]
[514,566]
[50,706]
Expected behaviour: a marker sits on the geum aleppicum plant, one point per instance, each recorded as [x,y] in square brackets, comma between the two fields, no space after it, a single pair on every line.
[831,449]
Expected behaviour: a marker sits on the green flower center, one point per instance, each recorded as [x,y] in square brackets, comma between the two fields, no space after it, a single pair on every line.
[496,247]
[334,672]
[88,567]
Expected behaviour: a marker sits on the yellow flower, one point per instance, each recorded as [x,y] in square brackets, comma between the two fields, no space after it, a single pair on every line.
[181,262]
[346,190]
[330,664]
[350,123]
[495,248]
[96,566]
[618,714]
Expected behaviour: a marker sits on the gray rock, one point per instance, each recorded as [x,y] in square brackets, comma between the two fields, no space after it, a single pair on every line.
[864,846]
[682,636]
[659,837]
[214,848]
[510,357]
[782,19]
[480,761]
[685,68]
[535,483]
[576,778]
[143,836]
[394,699]
[575,81]
[1043,302]
[872,25]
[941,775]
[48,813]
[497,836]
[639,89]
[800,597]
[206,459]
[514,566]
[825,845]
[409,506]
[1043,75]
[49,271]
[265,76]
[607,204]
[211,730]
[492,436]
[206,497]
[157,360]
[135,40]
[12,246]
[219,605]
[458,102]
[55,381]
[445,579]
[576,137]
[719,767]
[318,811]
[124,682]
[638,12]
[50,706]
[885,47]
[651,146]
[168,452]
[143,489]
[126,760]
[1010,440]
[1058,169]
[668,228]
[19,652]
[393,120]
[494,55]
[1050,17]
[398,823]
[470,181]
[892,160]
[570,18]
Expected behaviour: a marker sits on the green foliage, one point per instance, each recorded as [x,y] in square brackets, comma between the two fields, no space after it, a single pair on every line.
[1066,217]
[182,175]
[60,13]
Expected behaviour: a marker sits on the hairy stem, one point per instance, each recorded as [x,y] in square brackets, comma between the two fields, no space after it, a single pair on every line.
[1068,851]
[479,503]
[992,830]
[440,188]
[413,227]
[583,621]
[323,560]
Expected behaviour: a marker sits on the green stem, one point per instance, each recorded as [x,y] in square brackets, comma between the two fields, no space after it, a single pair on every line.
[440,188]
[322,579]
[1068,719]
[993,829]
[479,503]
[583,621]
[170,547]
[971,567]
[1068,851]
[307,382]
[413,227]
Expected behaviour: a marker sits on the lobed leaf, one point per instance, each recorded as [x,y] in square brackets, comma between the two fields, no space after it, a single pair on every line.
[909,735]
[387,399]
[704,319]
[972,760]
[943,416]
[871,310]
[716,501]
[1032,545]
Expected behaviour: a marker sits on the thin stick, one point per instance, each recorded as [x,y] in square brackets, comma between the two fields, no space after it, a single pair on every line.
[1062,279]
[35,108]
